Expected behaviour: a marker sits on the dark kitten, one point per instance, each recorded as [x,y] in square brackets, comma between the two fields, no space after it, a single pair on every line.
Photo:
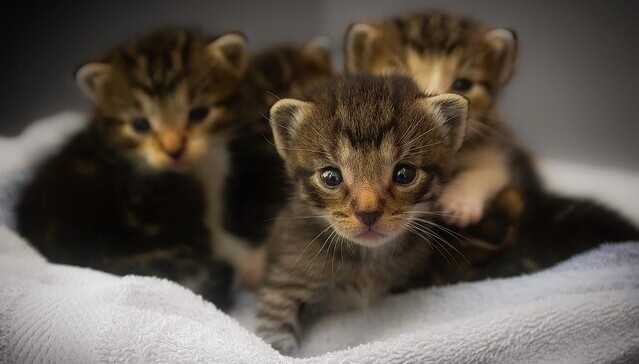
[119,196]
[255,191]
[368,157]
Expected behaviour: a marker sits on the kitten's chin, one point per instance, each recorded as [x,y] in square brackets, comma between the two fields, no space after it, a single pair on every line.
[371,238]
[178,166]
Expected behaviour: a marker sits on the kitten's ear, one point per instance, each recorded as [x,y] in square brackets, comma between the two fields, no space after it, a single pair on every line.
[359,47]
[451,113]
[231,50]
[285,117]
[504,44]
[318,51]
[91,77]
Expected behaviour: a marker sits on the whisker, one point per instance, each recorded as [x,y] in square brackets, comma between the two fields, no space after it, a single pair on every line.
[445,241]
[330,243]
[297,217]
[432,234]
[309,244]
[420,235]
[318,252]
[449,231]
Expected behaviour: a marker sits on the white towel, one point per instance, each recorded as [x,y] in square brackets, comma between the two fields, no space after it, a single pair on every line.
[585,310]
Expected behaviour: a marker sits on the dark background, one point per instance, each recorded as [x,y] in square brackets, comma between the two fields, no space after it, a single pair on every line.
[573,97]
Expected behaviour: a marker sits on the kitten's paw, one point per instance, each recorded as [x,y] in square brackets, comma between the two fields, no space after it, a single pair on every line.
[284,342]
[460,207]
[253,275]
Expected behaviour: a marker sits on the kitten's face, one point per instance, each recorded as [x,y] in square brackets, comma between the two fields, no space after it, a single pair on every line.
[441,52]
[369,154]
[163,99]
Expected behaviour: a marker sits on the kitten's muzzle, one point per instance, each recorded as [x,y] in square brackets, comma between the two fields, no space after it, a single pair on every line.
[177,153]
[173,144]
[368,218]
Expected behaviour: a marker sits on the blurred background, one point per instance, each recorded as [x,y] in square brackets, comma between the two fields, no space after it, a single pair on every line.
[572,97]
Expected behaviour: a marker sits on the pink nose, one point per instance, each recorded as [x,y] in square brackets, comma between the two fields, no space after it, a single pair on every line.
[368,217]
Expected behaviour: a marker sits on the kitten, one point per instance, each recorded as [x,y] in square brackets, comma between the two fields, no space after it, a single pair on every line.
[369,157]
[495,178]
[446,53]
[254,190]
[121,195]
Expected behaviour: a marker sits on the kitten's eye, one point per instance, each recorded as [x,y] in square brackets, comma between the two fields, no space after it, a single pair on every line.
[198,114]
[462,84]
[404,174]
[141,125]
[332,177]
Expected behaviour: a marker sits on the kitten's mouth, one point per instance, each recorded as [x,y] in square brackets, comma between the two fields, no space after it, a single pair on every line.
[179,165]
[369,234]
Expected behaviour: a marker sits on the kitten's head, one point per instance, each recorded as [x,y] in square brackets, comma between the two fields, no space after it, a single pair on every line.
[369,153]
[441,52]
[161,99]
[287,70]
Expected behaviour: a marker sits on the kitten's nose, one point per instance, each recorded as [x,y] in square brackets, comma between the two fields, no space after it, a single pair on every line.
[177,153]
[174,144]
[369,217]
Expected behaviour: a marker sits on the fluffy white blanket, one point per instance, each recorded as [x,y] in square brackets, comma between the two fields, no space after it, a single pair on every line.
[585,310]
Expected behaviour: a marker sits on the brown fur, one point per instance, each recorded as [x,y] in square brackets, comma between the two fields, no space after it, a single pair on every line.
[114,197]
[161,77]
[321,254]
[436,49]
[255,191]
[495,178]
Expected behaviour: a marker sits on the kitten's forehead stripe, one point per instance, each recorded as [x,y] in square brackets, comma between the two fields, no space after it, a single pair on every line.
[366,125]
[436,32]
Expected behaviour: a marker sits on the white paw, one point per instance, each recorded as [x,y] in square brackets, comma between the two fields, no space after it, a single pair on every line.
[284,342]
[461,208]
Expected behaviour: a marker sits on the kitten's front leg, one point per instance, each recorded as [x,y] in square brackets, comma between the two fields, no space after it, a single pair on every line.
[463,200]
[279,309]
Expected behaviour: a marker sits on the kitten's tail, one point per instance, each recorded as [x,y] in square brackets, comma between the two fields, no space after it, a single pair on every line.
[557,227]
[577,219]
[525,234]
[516,237]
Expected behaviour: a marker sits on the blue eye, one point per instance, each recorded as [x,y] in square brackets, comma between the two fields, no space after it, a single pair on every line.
[404,174]
[198,114]
[141,125]
[331,177]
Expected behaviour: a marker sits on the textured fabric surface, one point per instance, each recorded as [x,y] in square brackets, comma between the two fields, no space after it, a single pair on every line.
[585,310]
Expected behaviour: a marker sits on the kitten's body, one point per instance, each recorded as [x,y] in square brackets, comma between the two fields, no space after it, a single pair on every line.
[87,207]
[496,182]
[255,192]
[438,50]
[123,194]
[345,246]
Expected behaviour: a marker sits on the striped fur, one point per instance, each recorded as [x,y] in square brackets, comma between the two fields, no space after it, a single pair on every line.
[115,198]
[161,78]
[255,191]
[495,182]
[321,255]
[443,52]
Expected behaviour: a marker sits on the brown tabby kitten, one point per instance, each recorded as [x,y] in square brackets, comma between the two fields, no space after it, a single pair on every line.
[120,196]
[254,190]
[369,157]
[524,228]
[446,53]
